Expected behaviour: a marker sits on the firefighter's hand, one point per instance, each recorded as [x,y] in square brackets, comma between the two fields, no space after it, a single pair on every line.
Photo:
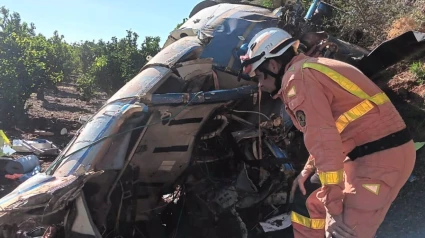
[299,181]
[337,228]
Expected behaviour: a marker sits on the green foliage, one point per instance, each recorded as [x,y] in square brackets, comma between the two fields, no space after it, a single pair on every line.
[267,3]
[108,66]
[306,4]
[365,22]
[418,70]
[28,62]
[180,24]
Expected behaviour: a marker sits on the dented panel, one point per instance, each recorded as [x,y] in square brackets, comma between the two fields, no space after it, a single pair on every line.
[145,82]
[176,52]
[163,158]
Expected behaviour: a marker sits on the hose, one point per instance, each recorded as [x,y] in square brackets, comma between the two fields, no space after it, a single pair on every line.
[219,130]
[254,112]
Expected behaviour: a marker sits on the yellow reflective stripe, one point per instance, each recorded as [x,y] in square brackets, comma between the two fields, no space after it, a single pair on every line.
[316,224]
[331,177]
[339,79]
[360,109]
[4,137]
[379,98]
[353,114]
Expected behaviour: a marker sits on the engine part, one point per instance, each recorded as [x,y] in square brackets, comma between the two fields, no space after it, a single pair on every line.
[277,152]
[244,134]
[227,197]
[244,183]
[277,198]
[219,130]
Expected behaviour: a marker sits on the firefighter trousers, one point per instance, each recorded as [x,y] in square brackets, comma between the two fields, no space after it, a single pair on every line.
[372,183]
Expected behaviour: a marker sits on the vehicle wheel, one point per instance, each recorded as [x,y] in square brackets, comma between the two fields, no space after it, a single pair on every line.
[202,5]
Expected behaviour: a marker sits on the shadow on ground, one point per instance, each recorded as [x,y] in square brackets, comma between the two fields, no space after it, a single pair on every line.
[52,106]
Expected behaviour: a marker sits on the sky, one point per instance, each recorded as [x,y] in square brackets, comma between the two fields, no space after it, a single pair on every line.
[102,19]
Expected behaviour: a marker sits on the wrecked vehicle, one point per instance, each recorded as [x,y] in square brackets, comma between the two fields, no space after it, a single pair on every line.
[184,149]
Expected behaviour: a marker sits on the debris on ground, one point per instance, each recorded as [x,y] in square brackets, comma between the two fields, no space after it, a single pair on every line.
[276,223]
[38,147]
[22,165]
[5,148]
[17,167]
[44,133]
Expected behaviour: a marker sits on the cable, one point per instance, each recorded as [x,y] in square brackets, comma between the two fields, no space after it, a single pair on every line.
[54,165]
[180,216]
[254,112]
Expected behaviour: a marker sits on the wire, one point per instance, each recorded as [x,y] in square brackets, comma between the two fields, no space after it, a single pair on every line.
[254,112]
[180,216]
[59,160]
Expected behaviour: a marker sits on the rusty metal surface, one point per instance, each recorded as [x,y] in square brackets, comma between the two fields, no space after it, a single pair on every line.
[165,151]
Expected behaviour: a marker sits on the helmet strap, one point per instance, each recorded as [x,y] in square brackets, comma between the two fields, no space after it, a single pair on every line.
[278,77]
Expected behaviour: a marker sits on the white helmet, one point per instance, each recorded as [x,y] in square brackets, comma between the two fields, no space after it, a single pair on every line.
[268,43]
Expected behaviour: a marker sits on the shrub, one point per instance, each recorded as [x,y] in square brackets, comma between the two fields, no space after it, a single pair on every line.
[418,70]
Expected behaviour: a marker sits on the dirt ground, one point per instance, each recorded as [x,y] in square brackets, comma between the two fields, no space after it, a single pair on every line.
[59,110]
[405,218]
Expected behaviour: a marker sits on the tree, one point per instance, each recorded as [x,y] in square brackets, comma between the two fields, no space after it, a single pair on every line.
[28,63]
[31,63]
[116,62]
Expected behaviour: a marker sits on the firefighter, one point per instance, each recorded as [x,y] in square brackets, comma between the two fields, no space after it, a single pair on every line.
[361,153]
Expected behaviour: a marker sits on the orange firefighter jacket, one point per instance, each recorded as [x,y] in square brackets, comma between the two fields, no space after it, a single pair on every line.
[337,108]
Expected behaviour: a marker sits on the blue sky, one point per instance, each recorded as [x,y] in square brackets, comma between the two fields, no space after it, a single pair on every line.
[101,19]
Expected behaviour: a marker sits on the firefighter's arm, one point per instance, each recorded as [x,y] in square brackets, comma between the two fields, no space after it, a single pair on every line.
[311,113]
[309,165]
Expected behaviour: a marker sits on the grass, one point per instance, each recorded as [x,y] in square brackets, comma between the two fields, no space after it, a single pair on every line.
[267,3]
[418,70]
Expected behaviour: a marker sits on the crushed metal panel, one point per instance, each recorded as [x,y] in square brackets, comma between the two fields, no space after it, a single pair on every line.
[208,17]
[162,157]
[106,122]
[230,32]
[100,125]
[177,51]
[178,34]
[392,51]
[115,156]
[229,81]
[83,223]
[145,82]
[190,69]
[229,25]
